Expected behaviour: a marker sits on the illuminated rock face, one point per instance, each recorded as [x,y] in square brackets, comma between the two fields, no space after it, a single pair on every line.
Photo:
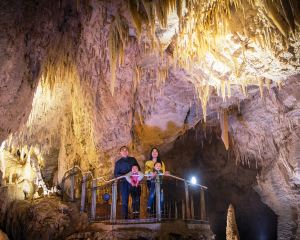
[78,121]
[266,132]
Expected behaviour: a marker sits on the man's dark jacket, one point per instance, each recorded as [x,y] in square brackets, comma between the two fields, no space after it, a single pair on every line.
[124,165]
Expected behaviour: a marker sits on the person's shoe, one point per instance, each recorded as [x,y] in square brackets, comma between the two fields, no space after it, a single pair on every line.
[149,210]
[136,215]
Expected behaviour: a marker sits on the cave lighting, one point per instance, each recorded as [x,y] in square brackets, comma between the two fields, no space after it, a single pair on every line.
[193,180]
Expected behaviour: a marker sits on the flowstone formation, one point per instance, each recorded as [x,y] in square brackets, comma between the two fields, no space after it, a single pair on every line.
[79,79]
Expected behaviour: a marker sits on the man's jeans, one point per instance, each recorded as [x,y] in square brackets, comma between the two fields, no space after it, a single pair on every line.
[125,190]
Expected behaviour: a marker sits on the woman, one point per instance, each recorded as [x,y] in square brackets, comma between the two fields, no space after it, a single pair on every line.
[150,171]
[157,170]
[149,165]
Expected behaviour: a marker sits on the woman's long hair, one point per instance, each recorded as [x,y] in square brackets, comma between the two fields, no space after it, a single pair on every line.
[158,155]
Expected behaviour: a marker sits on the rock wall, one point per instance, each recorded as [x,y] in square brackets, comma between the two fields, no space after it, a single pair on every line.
[206,158]
[45,218]
[265,133]
[74,119]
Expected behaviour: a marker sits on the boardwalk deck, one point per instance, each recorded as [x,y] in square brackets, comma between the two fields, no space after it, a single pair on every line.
[153,229]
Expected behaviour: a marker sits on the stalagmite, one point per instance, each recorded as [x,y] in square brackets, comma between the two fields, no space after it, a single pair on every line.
[232,232]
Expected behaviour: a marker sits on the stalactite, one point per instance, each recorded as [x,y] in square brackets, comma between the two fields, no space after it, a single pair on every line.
[223,90]
[261,87]
[203,28]
[179,9]
[268,82]
[203,94]
[117,40]
[244,89]
[276,18]
[224,127]
[228,89]
[136,16]
[136,77]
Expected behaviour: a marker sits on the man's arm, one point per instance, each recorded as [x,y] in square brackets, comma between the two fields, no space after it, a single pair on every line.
[127,177]
[141,176]
[117,170]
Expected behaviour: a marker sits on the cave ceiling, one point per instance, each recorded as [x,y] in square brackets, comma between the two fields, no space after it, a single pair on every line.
[79,79]
[105,73]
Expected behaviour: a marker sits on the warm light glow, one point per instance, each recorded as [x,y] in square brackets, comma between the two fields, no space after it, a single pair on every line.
[228,41]
[2,166]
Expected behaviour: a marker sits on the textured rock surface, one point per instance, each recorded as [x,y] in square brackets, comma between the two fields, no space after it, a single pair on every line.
[206,158]
[77,121]
[3,236]
[46,218]
[266,133]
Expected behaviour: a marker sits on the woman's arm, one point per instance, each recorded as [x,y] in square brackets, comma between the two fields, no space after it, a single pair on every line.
[148,167]
[163,168]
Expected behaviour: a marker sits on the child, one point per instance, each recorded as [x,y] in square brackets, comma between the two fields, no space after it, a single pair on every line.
[134,177]
[156,176]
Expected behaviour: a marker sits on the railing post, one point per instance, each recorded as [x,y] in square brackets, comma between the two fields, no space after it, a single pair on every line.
[176,210]
[188,212]
[62,188]
[192,207]
[72,184]
[94,199]
[113,209]
[183,209]
[83,192]
[202,207]
[157,194]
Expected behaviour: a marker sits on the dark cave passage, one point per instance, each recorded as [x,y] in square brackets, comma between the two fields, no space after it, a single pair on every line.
[227,183]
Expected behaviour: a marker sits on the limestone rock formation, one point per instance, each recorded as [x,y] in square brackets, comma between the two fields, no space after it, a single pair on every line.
[55,89]
[41,219]
[3,236]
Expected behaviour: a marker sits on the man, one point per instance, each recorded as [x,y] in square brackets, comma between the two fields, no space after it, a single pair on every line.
[122,167]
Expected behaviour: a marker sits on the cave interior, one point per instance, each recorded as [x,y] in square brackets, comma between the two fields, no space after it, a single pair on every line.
[213,85]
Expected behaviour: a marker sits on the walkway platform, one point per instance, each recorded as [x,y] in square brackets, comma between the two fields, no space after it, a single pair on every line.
[151,224]
[182,229]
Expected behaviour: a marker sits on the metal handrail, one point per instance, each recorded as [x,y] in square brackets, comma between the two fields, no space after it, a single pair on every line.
[81,171]
[187,181]
[70,173]
[150,175]
[187,207]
